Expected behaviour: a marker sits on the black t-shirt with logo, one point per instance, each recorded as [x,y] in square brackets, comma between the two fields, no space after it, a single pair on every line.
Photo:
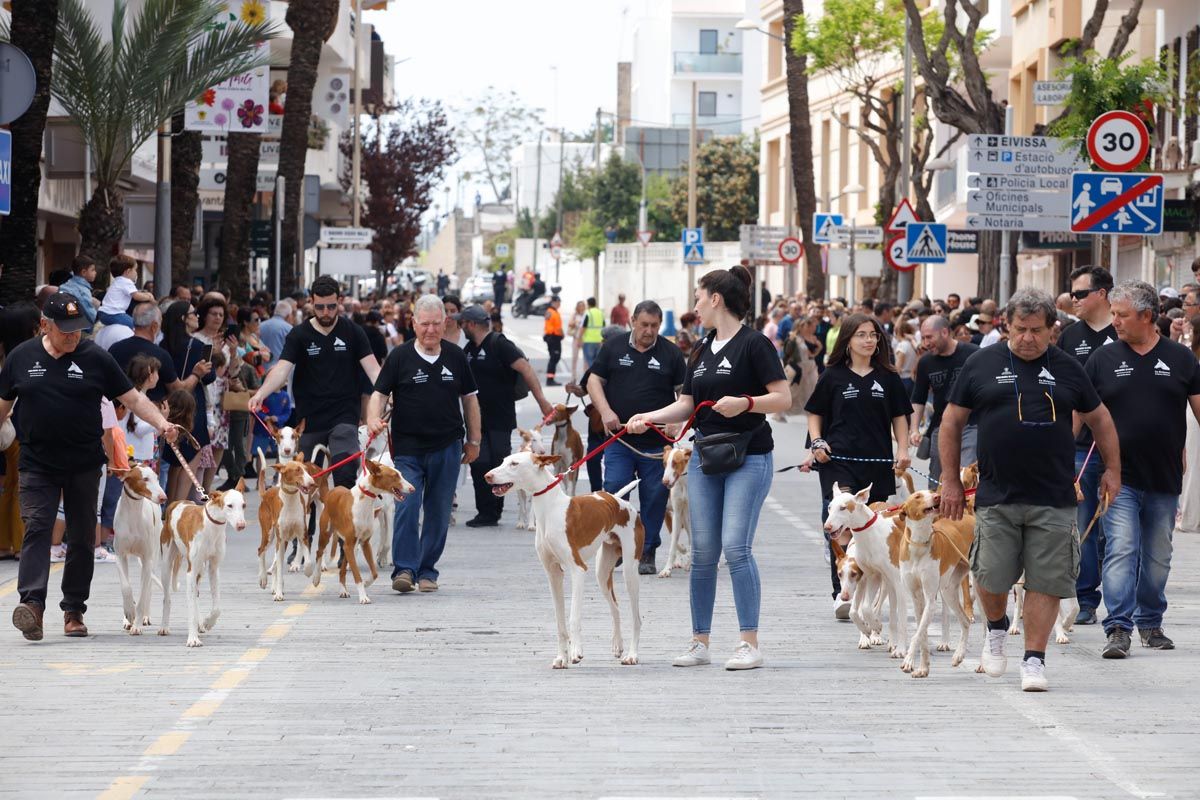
[124,351]
[1031,462]
[636,382]
[425,397]
[491,365]
[744,365]
[1079,341]
[58,416]
[325,381]
[1148,399]
[857,410]
[937,373]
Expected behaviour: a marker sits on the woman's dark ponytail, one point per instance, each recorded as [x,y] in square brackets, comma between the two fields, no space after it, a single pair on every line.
[733,285]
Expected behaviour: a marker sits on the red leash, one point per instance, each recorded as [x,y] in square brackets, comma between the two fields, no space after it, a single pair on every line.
[600,448]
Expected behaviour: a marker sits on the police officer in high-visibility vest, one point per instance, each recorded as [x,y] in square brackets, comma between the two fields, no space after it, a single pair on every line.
[593,322]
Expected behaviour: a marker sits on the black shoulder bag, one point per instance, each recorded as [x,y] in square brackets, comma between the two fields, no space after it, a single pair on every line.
[721,452]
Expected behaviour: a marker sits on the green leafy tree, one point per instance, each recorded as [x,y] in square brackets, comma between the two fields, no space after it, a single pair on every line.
[616,192]
[590,242]
[727,188]
[120,91]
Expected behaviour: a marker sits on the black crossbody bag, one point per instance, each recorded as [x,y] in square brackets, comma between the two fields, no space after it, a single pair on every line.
[724,452]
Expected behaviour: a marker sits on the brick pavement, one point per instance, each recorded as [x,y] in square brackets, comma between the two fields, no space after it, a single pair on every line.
[450,695]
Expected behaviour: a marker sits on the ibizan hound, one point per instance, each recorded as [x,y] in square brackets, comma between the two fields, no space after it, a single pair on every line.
[863,592]
[283,519]
[565,444]
[878,554]
[377,450]
[137,524]
[351,515]
[531,442]
[675,464]
[933,561]
[568,532]
[194,536]
[287,444]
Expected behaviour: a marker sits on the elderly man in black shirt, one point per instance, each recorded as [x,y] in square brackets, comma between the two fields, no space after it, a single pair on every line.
[60,380]
[502,373]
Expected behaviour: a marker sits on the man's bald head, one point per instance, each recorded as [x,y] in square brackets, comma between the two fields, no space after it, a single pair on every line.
[935,335]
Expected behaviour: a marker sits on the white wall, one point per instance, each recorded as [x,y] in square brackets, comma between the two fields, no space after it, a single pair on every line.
[523,167]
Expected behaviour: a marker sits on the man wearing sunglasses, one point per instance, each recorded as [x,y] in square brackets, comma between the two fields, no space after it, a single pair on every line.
[1022,393]
[1090,287]
[323,357]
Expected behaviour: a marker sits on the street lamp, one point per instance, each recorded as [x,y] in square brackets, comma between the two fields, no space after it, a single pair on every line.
[642,221]
[853,188]
[751,25]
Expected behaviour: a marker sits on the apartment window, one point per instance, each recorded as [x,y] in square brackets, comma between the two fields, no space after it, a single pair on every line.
[706,104]
[708,42]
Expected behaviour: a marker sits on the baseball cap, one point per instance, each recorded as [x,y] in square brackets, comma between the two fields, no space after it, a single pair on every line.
[64,311]
[471,314]
[1168,292]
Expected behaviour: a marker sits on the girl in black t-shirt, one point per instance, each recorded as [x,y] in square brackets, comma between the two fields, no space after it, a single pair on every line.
[740,370]
[858,401]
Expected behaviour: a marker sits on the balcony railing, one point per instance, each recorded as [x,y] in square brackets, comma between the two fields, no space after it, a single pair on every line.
[719,124]
[686,63]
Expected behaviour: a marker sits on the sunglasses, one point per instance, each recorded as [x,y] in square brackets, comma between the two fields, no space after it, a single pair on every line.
[1081,294]
[324,306]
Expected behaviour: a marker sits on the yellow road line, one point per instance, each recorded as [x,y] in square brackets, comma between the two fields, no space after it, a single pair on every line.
[202,708]
[254,655]
[168,744]
[276,631]
[295,609]
[11,586]
[230,679]
[124,787]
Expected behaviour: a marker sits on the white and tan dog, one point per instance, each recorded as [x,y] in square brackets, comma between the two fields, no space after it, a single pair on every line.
[933,562]
[877,554]
[287,445]
[565,443]
[531,442]
[137,524]
[569,531]
[679,553]
[377,450]
[193,537]
[865,600]
[283,519]
[351,515]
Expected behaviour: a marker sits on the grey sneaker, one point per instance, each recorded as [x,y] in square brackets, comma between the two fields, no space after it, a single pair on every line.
[1086,616]
[1117,645]
[745,657]
[993,660]
[1155,639]
[841,609]
[1033,675]
[696,655]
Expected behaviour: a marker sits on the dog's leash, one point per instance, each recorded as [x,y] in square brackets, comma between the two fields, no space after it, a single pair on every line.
[1101,508]
[601,447]
[911,468]
[187,469]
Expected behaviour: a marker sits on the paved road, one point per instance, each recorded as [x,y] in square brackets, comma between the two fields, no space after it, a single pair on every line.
[450,695]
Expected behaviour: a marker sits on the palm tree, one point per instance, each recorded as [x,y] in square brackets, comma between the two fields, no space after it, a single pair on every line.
[241,175]
[187,148]
[802,149]
[33,26]
[312,22]
[120,91]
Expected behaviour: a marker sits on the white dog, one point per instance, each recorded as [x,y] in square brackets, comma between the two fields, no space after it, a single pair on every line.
[137,523]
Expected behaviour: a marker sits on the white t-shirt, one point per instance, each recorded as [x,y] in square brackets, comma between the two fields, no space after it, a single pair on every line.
[120,292]
[109,335]
[990,338]
[141,438]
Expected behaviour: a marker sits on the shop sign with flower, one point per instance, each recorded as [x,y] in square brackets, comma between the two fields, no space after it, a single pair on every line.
[240,103]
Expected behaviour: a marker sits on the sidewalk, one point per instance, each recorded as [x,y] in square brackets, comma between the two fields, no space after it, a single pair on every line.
[451,695]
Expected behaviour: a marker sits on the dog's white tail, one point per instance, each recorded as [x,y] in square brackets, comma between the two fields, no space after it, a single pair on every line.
[318,449]
[627,488]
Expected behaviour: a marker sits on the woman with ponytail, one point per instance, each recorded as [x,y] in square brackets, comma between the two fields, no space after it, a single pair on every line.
[731,467]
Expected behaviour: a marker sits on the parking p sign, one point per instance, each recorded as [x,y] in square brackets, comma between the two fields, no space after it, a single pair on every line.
[5,172]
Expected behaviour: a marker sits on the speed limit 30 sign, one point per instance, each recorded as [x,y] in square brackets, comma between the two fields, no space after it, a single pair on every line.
[790,250]
[1118,141]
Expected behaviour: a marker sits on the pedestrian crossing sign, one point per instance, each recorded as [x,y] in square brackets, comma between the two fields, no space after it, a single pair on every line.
[926,242]
[693,254]
[823,225]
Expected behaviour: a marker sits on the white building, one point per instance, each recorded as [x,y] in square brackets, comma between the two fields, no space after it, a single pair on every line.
[677,43]
[531,187]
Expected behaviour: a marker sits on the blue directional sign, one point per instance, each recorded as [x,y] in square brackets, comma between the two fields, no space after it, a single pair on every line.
[823,225]
[5,172]
[926,242]
[693,245]
[1129,203]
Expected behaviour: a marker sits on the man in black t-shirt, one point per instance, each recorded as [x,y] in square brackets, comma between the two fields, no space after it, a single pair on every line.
[427,379]
[1090,287]
[1147,382]
[936,371]
[1023,394]
[147,321]
[499,368]
[324,357]
[60,381]
[630,375]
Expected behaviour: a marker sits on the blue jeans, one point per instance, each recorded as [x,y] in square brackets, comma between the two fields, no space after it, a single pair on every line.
[1138,558]
[724,513]
[620,466]
[109,318]
[434,477]
[1091,552]
[590,350]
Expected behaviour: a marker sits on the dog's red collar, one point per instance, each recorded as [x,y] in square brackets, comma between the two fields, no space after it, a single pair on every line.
[870,522]
[368,493]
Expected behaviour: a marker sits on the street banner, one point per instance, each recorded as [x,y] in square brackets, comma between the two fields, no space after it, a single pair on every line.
[240,103]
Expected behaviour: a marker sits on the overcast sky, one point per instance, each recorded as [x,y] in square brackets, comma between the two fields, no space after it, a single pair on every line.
[457,48]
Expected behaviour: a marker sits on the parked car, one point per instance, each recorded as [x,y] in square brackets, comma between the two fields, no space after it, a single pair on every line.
[478,288]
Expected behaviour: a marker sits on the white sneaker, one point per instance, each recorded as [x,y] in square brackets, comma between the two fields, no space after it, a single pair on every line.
[58,553]
[841,609]
[104,557]
[1033,675]
[745,657]
[696,655]
[993,660]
